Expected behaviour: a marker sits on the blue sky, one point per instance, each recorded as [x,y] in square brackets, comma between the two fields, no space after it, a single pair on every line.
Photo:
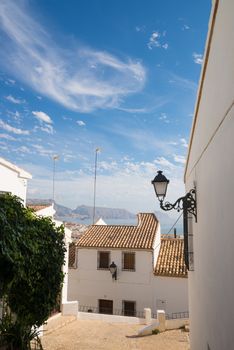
[119,75]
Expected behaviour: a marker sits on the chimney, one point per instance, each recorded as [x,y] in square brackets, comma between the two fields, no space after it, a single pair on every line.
[174,232]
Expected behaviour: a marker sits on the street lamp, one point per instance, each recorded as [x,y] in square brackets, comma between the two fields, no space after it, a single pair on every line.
[186,203]
[113,270]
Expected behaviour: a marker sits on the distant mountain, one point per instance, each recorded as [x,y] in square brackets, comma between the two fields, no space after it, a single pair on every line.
[84,212]
[105,213]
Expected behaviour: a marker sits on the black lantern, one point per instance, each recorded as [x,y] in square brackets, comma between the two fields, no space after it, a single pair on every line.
[160,183]
[186,203]
[113,270]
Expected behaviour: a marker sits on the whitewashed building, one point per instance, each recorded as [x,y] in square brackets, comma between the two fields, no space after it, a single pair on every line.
[150,270]
[210,166]
[13,179]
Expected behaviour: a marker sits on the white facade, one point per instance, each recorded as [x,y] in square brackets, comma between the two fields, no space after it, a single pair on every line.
[88,284]
[210,165]
[13,179]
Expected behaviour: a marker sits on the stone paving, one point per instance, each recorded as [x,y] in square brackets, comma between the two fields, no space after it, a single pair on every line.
[100,335]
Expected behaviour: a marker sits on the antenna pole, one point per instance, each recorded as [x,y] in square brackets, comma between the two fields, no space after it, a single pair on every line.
[55,157]
[95,181]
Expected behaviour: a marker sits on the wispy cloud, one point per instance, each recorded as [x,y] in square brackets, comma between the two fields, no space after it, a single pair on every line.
[81,123]
[7,137]
[185,27]
[43,117]
[80,79]
[12,99]
[43,151]
[182,82]
[197,58]
[12,129]
[163,117]
[10,82]
[179,159]
[155,41]
[184,142]
[140,28]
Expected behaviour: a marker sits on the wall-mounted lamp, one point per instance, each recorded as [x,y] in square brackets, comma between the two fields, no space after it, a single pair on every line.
[187,203]
[113,270]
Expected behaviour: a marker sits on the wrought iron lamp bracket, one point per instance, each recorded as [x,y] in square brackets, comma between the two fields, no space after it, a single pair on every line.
[188,202]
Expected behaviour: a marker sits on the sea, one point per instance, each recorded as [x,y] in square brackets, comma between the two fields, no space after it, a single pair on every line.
[165,228]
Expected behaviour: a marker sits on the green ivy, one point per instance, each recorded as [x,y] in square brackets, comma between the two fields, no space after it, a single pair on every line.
[31,257]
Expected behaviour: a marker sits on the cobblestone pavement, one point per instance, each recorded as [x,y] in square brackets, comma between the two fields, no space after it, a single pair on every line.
[100,335]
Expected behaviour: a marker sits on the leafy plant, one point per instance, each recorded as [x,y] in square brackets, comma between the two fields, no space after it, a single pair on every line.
[31,258]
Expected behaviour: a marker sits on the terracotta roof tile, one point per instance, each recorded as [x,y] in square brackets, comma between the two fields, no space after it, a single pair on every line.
[171,258]
[113,236]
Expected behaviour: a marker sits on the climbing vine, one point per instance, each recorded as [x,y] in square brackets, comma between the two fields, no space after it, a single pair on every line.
[31,258]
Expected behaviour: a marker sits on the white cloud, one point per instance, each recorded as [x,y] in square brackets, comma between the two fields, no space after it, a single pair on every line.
[47,128]
[165,46]
[197,58]
[64,74]
[10,82]
[43,151]
[43,117]
[132,190]
[185,27]
[81,123]
[182,82]
[179,159]
[184,142]
[154,40]
[7,137]
[12,129]
[14,100]
[24,149]
[164,163]
[163,117]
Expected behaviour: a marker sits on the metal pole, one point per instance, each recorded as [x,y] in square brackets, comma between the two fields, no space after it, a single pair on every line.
[95,181]
[54,159]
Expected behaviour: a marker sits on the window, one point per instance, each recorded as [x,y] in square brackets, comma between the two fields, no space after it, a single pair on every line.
[128,261]
[103,260]
[105,306]
[129,308]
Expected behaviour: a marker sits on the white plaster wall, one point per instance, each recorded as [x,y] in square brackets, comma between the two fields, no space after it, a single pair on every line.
[11,182]
[47,211]
[157,244]
[87,284]
[174,291]
[211,166]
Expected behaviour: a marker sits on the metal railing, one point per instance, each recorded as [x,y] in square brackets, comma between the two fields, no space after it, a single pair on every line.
[109,311]
[175,315]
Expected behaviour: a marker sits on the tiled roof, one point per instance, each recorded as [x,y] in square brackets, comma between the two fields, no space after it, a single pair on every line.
[38,207]
[171,258]
[113,236]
